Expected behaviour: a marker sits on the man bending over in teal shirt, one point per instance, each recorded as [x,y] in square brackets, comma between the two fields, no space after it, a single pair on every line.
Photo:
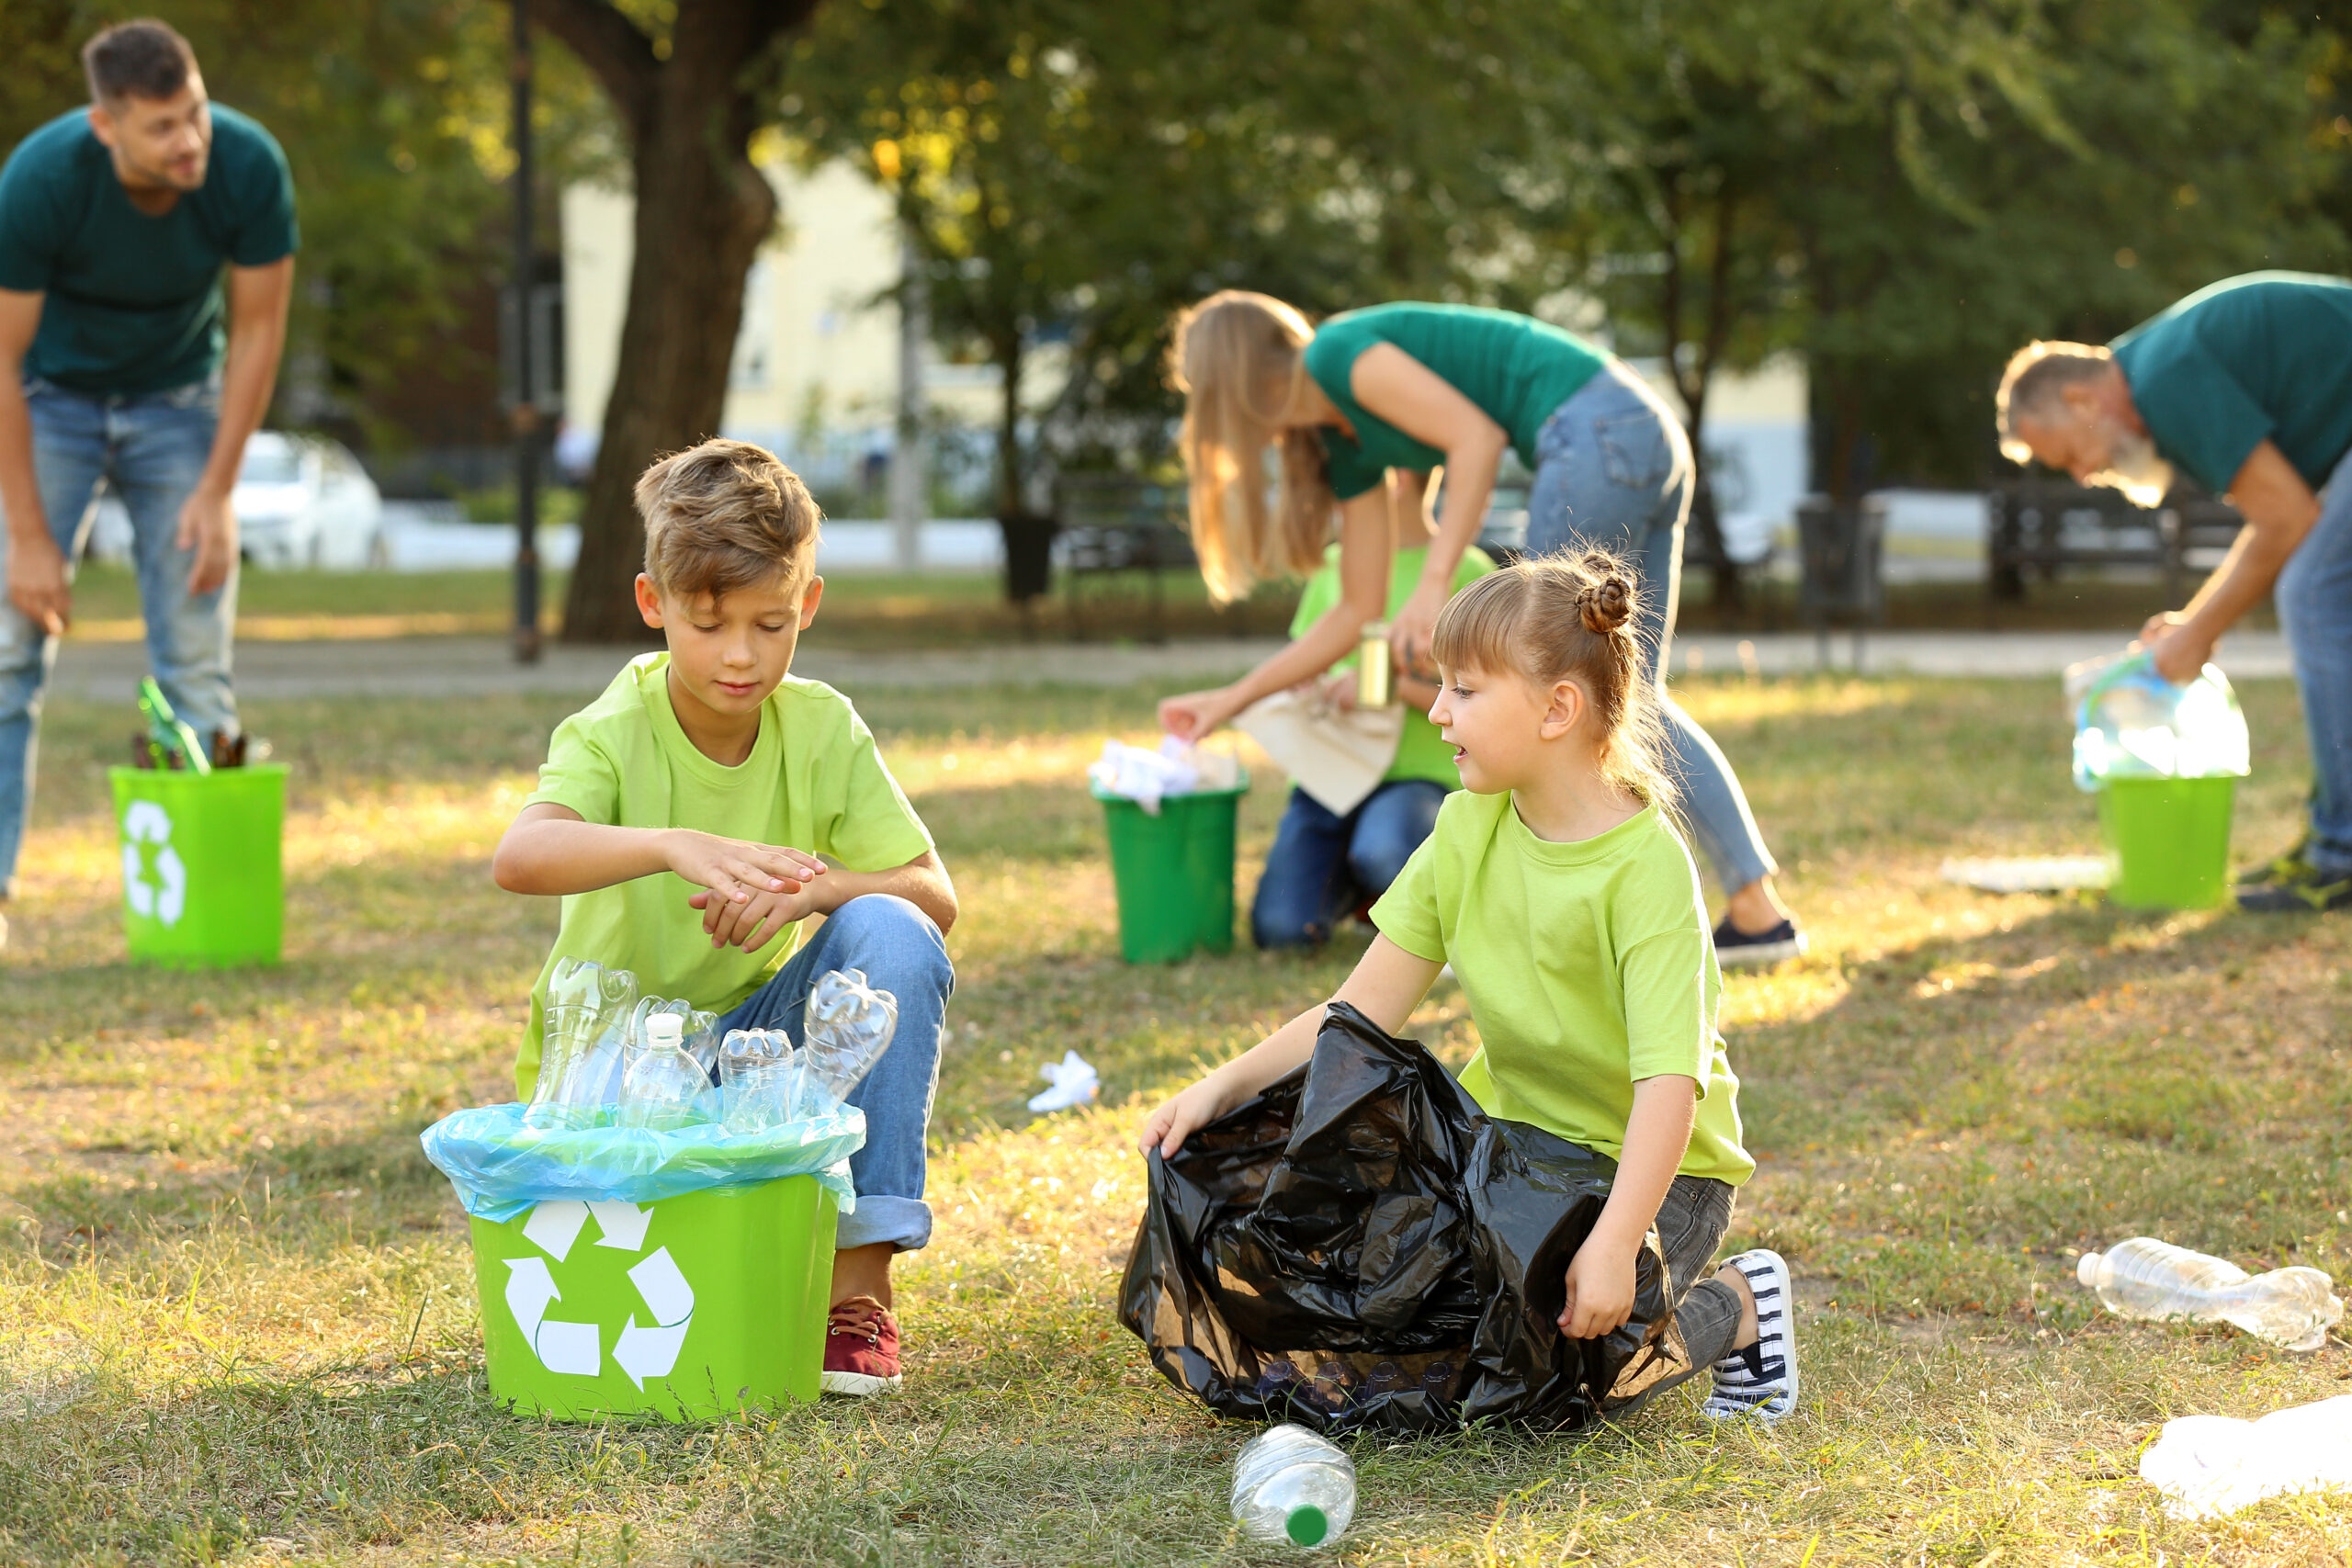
[709,801]
[2247,385]
[121,361]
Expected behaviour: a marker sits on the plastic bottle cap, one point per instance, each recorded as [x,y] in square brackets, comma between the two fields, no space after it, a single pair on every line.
[664,1029]
[1308,1526]
[2087,1271]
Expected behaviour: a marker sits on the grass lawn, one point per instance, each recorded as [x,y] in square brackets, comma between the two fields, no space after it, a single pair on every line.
[239,1318]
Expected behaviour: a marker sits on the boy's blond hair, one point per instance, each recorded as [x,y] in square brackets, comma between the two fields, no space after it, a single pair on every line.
[726,515]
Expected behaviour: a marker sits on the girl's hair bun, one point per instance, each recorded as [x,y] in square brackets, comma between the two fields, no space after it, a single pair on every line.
[1607,604]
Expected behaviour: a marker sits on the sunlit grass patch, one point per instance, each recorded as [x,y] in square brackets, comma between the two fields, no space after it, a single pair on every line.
[241,1315]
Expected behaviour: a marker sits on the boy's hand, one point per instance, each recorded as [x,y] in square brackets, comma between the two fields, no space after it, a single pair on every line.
[736,869]
[1601,1290]
[752,924]
[1195,1108]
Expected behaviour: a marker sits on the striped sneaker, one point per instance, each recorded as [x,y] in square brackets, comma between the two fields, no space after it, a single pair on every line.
[1760,1381]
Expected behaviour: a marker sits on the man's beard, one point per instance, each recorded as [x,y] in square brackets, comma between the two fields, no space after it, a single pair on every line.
[2134,468]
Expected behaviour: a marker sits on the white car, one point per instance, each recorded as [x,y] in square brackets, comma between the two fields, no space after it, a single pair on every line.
[300,500]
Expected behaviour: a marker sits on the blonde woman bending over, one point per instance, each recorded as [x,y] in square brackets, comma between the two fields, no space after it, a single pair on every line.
[1416,387]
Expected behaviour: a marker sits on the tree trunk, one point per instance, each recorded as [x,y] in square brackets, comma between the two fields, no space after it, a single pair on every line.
[703,211]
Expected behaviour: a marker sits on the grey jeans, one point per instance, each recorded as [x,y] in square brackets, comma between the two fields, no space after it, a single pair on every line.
[1691,1225]
[1614,472]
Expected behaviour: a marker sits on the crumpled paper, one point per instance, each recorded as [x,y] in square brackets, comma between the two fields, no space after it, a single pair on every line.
[1147,777]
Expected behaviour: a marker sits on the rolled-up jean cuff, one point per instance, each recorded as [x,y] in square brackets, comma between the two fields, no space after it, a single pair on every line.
[905,1222]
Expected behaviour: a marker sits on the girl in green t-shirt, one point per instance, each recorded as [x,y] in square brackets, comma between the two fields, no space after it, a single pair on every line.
[1411,386]
[1557,888]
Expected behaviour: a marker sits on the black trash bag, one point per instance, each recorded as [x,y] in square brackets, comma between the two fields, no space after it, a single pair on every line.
[1362,1248]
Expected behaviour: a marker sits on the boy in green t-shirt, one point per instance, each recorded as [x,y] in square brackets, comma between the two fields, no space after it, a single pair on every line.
[693,815]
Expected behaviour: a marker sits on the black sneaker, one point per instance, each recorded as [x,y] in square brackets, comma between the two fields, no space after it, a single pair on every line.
[2278,868]
[2299,888]
[1760,1381]
[1737,949]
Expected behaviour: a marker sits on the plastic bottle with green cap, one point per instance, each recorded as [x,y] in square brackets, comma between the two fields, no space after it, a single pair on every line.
[168,736]
[1290,1486]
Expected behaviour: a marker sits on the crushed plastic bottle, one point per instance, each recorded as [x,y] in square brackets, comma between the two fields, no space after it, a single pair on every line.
[848,1025]
[663,1085]
[2130,722]
[1290,1486]
[755,1078]
[586,1003]
[2292,1308]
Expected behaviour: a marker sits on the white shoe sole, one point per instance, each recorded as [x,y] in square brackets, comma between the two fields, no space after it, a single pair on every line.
[859,1385]
[1750,955]
[1718,1409]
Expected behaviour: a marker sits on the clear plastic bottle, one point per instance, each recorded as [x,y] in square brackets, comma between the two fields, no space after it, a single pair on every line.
[661,1084]
[848,1026]
[585,1002]
[2292,1308]
[1290,1486]
[755,1067]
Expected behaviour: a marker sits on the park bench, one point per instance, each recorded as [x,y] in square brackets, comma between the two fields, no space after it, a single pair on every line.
[1109,525]
[2037,528]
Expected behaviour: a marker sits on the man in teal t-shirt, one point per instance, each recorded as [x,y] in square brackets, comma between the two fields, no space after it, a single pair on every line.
[1323,865]
[2247,386]
[122,361]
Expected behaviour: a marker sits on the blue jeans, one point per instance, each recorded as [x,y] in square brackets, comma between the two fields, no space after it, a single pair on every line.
[150,451]
[2314,600]
[1323,865]
[900,951]
[1614,472]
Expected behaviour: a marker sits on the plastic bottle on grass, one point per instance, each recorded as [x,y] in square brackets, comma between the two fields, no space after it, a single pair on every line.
[1290,1486]
[2292,1308]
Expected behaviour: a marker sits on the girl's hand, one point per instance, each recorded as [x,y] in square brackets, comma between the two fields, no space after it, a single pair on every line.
[1600,1292]
[1412,628]
[1191,716]
[1338,692]
[1181,1117]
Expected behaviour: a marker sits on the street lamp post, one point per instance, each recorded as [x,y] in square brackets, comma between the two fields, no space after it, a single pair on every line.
[525,411]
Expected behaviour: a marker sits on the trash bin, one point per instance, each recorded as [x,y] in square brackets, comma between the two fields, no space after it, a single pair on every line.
[2167,841]
[2164,762]
[692,1308]
[1839,550]
[203,867]
[1174,873]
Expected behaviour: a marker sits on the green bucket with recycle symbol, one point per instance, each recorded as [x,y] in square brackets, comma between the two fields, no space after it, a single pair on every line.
[691,1308]
[203,864]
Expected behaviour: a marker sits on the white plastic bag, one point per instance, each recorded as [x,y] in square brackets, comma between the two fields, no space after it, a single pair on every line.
[2130,722]
[2211,1465]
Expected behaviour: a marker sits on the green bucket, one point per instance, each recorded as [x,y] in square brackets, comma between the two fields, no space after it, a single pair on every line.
[2167,841]
[1174,873]
[690,1308]
[203,864]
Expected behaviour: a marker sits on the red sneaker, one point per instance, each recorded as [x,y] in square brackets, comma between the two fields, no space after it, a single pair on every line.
[861,1349]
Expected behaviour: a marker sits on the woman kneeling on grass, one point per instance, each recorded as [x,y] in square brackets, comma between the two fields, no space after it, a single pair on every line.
[1558,888]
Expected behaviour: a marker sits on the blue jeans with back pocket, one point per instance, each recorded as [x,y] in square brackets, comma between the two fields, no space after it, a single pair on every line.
[149,450]
[1614,472]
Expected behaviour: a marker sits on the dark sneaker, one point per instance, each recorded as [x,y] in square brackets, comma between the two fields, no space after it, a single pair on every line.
[861,1349]
[1737,949]
[2299,888]
[1760,1381]
[2279,868]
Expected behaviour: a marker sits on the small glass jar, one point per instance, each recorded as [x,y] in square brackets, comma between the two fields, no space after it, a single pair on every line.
[1375,688]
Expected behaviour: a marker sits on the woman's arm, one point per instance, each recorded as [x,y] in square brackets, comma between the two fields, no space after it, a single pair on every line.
[1601,1275]
[1364,558]
[1415,399]
[1387,985]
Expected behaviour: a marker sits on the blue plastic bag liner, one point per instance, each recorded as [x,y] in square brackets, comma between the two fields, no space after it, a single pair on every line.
[501,1164]
[2131,723]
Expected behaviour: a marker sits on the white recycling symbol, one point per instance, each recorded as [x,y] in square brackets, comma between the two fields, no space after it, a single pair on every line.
[146,822]
[641,1350]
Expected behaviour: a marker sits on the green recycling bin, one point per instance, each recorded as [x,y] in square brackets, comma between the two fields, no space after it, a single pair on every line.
[1174,873]
[690,1308]
[203,864]
[2167,841]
